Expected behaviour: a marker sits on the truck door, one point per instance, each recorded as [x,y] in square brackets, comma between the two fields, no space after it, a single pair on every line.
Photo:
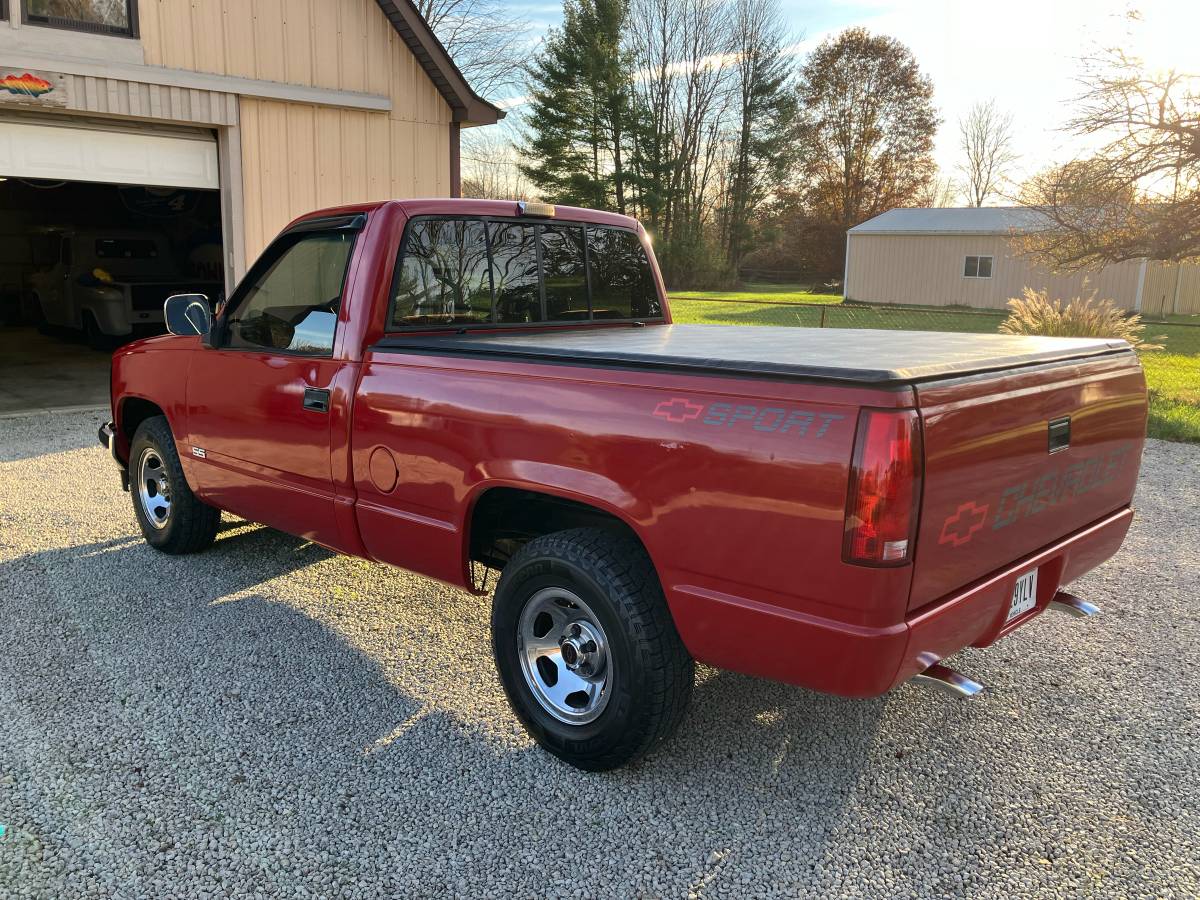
[260,401]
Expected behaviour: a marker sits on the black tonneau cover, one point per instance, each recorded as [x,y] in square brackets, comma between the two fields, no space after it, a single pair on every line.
[837,354]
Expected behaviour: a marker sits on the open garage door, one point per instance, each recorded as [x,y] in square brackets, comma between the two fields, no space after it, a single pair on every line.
[99,224]
[70,152]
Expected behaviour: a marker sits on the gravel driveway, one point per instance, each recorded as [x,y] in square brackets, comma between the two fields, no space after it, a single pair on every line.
[269,719]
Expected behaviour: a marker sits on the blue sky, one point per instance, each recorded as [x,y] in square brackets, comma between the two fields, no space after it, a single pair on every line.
[1023,53]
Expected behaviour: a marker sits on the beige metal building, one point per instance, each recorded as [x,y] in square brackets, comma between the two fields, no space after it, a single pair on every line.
[945,257]
[167,113]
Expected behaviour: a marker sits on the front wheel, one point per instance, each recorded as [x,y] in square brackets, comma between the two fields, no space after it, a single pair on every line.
[586,649]
[172,518]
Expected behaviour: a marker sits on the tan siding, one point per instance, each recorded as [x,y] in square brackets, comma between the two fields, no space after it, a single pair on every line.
[114,97]
[403,159]
[1159,289]
[928,269]
[340,44]
[1171,288]
[326,66]
[297,158]
[208,19]
[271,39]
[1189,291]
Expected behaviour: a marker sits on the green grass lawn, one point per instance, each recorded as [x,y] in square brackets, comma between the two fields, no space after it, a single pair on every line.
[763,293]
[1172,373]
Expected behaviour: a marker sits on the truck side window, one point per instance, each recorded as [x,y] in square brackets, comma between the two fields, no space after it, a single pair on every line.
[515,272]
[622,285]
[444,277]
[564,273]
[293,304]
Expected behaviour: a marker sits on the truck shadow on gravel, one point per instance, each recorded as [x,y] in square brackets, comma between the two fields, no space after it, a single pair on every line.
[264,666]
[237,679]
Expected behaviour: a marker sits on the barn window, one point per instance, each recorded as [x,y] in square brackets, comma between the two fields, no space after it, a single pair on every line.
[117,17]
[978,267]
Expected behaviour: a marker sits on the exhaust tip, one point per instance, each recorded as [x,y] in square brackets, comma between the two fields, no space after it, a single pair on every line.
[947,680]
[1074,606]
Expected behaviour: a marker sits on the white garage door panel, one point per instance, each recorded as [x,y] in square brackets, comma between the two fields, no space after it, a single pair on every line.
[83,154]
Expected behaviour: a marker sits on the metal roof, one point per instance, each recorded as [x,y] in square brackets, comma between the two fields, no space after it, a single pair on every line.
[969,220]
[468,107]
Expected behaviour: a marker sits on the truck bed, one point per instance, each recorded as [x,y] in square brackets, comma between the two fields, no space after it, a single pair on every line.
[877,358]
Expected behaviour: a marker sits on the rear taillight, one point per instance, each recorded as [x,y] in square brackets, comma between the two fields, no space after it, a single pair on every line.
[885,488]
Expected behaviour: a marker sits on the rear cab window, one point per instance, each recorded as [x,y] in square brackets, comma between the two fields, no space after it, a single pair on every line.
[476,271]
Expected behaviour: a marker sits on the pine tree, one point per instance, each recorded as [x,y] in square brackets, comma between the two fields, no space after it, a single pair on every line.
[580,111]
[765,146]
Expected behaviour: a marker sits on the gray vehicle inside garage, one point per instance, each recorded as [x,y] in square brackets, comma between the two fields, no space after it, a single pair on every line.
[85,267]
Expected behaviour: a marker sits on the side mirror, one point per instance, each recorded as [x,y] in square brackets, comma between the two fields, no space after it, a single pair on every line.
[188,314]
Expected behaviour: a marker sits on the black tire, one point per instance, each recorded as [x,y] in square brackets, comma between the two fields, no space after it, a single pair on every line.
[186,525]
[651,674]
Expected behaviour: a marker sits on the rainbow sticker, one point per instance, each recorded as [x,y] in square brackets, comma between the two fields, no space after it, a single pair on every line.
[26,85]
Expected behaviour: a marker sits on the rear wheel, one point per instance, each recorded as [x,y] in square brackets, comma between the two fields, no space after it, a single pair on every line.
[586,648]
[171,517]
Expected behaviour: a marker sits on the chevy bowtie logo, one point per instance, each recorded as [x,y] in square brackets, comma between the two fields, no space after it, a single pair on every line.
[678,409]
[961,527]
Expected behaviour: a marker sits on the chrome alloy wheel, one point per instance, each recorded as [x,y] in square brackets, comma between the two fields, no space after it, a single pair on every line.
[563,653]
[154,490]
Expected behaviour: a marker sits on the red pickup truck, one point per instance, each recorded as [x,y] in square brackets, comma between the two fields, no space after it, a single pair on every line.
[465,388]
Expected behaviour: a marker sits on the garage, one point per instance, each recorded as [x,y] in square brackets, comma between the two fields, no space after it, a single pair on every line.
[98,225]
[157,147]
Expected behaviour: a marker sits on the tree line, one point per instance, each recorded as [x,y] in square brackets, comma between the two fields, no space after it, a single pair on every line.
[701,118]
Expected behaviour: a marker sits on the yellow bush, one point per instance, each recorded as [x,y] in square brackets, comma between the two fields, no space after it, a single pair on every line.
[1035,313]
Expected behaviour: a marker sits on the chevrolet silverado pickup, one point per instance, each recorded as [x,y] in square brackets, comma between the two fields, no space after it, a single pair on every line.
[465,388]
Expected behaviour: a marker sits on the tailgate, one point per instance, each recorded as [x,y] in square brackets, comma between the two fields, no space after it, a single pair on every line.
[1016,460]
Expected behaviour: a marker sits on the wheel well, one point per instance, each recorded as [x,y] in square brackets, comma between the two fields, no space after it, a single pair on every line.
[505,519]
[135,411]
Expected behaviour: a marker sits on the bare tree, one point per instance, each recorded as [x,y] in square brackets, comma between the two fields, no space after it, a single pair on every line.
[764,141]
[491,169]
[682,51]
[942,191]
[1138,196]
[985,139]
[487,41]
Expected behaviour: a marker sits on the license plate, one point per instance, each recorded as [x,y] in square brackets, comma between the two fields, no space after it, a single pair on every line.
[1024,595]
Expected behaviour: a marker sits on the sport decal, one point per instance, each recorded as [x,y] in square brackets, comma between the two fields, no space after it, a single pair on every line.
[766,419]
